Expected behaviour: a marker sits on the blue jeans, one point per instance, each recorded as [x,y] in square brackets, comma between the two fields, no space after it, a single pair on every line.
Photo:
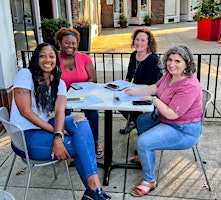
[155,135]
[79,144]
[93,118]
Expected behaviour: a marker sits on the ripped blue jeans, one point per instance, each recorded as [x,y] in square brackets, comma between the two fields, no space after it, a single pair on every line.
[80,145]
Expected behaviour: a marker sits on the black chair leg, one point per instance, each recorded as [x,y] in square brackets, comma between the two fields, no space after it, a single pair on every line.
[202,165]
[194,153]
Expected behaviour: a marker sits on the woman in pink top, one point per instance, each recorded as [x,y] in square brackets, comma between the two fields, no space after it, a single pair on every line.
[178,100]
[77,67]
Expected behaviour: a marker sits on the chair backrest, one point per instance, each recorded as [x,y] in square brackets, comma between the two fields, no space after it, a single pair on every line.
[206,100]
[15,132]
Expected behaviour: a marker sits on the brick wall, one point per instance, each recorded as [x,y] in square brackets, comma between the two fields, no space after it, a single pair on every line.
[157,11]
[107,18]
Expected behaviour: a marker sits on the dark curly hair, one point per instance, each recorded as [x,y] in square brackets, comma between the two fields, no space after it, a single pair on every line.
[64,32]
[151,39]
[45,98]
[185,54]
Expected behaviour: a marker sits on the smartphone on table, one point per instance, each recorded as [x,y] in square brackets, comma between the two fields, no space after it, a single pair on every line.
[146,102]
[75,86]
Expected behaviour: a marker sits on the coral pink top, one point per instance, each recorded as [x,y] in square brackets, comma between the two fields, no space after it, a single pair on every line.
[184,97]
[77,75]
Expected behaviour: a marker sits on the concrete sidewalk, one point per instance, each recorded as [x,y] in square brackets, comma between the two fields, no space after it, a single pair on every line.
[119,39]
[167,35]
[181,177]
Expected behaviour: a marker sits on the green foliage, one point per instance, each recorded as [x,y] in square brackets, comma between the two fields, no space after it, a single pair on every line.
[147,18]
[208,9]
[122,18]
[50,26]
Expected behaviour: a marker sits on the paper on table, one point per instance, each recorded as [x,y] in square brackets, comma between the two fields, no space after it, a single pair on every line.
[87,85]
[122,96]
[118,85]
[88,100]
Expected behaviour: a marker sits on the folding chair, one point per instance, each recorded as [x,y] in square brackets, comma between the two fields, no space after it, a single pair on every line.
[19,147]
[207,98]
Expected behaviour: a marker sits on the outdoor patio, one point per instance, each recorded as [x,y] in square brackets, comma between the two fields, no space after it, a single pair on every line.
[181,177]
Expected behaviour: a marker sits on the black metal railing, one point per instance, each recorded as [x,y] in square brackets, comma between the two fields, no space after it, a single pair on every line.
[112,66]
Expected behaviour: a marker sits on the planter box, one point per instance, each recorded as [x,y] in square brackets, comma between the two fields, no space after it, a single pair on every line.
[123,24]
[85,41]
[208,29]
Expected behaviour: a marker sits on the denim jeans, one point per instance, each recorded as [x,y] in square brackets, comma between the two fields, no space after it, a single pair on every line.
[155,135]
[93,118]
[79,144]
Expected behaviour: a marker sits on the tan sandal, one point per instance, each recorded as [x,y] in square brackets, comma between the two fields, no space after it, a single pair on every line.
[135,159]
[143,189]
[99,151]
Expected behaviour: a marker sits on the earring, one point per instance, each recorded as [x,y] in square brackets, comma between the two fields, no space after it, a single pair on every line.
[184,71]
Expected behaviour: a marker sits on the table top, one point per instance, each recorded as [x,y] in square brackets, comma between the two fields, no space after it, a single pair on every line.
[108,103]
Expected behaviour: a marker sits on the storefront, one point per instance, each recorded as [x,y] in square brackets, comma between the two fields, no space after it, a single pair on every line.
[135,10]
[31,12]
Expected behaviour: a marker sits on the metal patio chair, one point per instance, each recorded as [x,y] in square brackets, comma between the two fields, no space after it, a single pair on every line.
[19,147]
[207,98]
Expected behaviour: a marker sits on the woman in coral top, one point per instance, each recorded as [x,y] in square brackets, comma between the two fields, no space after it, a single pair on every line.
[177,96]
[77,67]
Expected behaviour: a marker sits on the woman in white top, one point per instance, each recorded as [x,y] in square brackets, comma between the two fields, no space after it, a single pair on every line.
[37,92]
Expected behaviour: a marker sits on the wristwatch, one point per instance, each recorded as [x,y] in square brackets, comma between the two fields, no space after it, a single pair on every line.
[154,98]
[59,134]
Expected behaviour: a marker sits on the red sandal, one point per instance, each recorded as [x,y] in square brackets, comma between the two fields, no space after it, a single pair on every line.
[143,189]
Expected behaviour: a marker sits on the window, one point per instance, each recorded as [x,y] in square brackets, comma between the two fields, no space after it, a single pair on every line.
[117,6]
[87,10]
[143,5]
[170,7]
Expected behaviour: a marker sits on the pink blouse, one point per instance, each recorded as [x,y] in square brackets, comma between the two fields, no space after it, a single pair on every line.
[79,74]
[184,97]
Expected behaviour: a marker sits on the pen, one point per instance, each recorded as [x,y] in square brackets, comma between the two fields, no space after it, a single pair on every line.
[132,80]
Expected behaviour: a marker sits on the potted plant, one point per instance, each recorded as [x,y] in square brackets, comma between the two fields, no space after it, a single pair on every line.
[208,19]
[82,25]
[50,26]
[122,20]
[147,19]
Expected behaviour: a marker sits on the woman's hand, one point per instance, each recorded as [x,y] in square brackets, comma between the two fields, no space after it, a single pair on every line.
[59,150]
[130,92]
[149,98]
